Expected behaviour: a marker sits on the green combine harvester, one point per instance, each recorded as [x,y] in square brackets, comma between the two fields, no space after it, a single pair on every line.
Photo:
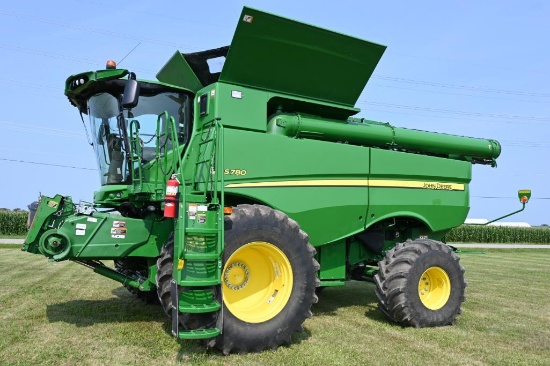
[241,194]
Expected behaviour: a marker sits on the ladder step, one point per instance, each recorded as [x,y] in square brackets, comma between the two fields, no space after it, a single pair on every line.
[201,231]
[202,161]
[200,308]
[206,141]
[197,283]
[199,333]
[201,256]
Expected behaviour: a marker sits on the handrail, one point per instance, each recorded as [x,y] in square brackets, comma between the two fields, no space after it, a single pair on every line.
[136,153]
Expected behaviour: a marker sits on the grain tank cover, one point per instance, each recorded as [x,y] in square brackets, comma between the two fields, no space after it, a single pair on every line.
[283,55]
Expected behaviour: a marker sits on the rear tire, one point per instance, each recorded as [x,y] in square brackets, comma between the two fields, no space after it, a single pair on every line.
[421,284]
[268,280]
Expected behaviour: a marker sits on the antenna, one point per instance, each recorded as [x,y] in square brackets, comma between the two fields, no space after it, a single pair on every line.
[128,54]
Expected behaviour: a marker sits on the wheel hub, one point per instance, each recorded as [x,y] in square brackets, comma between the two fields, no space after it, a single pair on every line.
[434,288]
[236,276]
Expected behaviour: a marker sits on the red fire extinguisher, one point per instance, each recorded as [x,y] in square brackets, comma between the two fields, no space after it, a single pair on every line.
[171,197]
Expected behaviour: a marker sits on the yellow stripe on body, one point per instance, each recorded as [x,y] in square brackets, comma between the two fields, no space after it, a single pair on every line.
[305,183]
[447,186]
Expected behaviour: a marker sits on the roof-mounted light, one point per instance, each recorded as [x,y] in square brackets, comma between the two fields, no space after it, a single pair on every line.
[110,65]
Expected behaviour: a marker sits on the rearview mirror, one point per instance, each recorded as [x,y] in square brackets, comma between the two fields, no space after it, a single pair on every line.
[131,92]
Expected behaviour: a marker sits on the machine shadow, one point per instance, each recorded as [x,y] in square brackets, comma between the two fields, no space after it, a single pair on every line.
[355,293]
[122,308]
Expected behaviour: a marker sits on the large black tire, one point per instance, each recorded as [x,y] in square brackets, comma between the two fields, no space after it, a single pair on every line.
[269,266]
[421,284]
[165,267]
[164,277]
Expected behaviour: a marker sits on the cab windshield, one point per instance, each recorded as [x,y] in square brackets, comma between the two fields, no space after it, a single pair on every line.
[110,134]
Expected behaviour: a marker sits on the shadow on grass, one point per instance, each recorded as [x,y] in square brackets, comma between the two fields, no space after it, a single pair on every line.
[84,313]
[192,348]
[355,293]
[125,307]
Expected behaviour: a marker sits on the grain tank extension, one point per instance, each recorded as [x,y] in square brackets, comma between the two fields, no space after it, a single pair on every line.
[234,197]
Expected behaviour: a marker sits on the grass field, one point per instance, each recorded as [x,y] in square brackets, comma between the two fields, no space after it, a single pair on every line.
[64,314]
[6,236]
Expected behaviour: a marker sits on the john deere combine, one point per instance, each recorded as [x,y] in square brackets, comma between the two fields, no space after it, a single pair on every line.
[242,192]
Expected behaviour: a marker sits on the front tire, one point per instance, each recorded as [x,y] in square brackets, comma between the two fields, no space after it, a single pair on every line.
[268,280]
[420,283]
[164,278]
[133,267]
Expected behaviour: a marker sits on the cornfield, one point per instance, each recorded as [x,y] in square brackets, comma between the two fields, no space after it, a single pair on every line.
[498,234]
[13,223]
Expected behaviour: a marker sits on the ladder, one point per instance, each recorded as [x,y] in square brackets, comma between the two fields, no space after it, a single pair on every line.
[198,246]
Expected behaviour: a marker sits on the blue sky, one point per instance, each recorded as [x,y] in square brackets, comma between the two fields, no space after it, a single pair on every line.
[471,68]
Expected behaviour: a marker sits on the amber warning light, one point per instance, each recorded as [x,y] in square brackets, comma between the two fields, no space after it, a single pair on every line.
[110,65]
[524,195]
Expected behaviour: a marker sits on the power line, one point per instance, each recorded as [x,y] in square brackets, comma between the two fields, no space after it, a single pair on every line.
[469,63]
[463,87]
[107,32]
[460,118]
[48,164]
[126,9]
[102,31]
[42,153]
[19,127]
[450,111]
[501,197]
[458,94]
[59,56]
[28,85]
[56,22]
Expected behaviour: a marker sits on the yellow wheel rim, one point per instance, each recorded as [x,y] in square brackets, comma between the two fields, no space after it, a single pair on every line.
[434,288]
[257,282]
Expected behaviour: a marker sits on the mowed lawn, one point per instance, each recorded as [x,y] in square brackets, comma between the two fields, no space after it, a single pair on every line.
[64,314]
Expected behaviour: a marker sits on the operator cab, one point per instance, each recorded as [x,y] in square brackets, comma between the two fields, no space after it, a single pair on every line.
[111,119]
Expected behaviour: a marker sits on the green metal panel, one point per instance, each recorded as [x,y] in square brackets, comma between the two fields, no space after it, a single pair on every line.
[342,186]
[326,213]
[396,164]
[434,190]
[279,54]
[332,258]
[252,103]
[46,207]
[110,236]
[178,72]
[247,108]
